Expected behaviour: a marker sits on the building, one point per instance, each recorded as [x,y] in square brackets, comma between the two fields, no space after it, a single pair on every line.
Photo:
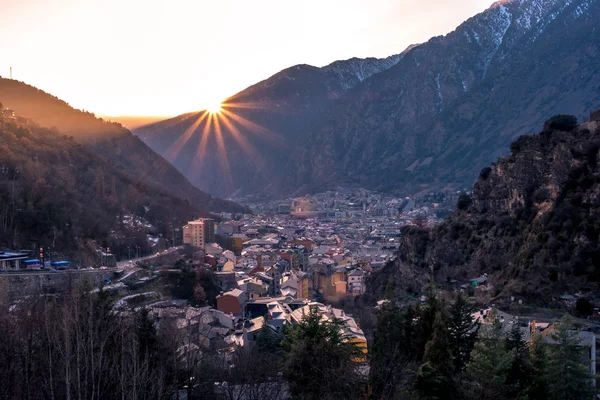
[350,329]
[199,232]
[303,208]
[356,284]
[279,315]
[11,260]
[296,285]
[193,234]
[209,230]
[232,302]
[254,288]
[226,279]
[330,281]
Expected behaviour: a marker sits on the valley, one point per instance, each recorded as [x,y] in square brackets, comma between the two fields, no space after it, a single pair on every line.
[421,225]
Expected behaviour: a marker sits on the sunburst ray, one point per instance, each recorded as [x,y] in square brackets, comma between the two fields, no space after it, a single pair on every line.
[243,142]
[222,151]
[176,147]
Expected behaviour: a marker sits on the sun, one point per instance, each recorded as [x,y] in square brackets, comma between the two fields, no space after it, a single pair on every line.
[214,107]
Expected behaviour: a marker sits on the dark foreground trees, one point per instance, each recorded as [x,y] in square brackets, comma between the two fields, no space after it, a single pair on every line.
[79,349]
[462,360]
[320,363]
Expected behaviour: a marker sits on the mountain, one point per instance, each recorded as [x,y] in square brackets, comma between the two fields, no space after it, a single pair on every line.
[532,224]
[429,118]
[261,130]
[110,141]
[56,192]
[453,104]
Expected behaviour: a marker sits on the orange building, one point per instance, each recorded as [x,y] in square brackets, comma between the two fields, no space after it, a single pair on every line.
[232,302]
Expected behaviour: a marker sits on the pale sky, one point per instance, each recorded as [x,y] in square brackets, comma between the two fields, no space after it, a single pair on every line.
[149,57]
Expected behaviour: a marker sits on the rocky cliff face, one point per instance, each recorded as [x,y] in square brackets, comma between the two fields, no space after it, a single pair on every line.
[431,117]
[532,225]
[452,105]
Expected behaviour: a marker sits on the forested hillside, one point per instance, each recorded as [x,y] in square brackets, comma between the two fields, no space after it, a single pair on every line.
[56,192]
[108,140]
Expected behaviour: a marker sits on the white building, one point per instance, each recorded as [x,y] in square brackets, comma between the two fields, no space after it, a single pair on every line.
[193,234]
[356,281]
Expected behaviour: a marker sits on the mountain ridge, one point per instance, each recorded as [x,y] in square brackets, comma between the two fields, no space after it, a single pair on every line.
[108,139]
[273,116]
[391,116]
[429,120]
[58,193]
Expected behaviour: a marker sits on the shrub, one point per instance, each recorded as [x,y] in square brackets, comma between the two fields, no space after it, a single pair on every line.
[541,194]
[561,122]
[584,307]
[464,201]
[519,144]
[485,173]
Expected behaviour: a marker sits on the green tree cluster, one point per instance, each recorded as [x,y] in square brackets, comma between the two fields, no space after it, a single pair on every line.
[438,351]
[320,363]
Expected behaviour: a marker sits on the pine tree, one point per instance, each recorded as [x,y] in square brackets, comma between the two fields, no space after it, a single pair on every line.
[437,350]
[426,320]
[409,332]
[490,363]
[520,374]
[435,377]
[388,356]
[268,341]
[569,374]
[146,333]
[462,330]
[538,361]
[319,361]
[390,290]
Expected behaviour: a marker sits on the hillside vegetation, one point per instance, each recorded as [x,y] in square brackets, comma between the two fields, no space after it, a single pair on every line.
[532,223]
[56,192]
[108,140]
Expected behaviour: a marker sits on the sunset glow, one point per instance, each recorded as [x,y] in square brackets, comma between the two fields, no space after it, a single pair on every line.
[214,107]
[217,124]
[150,57]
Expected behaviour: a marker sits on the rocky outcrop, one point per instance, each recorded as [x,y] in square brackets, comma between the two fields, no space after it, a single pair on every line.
[532,226]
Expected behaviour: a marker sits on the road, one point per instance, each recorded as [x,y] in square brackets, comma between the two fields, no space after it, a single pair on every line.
[46,271]
[126,263]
